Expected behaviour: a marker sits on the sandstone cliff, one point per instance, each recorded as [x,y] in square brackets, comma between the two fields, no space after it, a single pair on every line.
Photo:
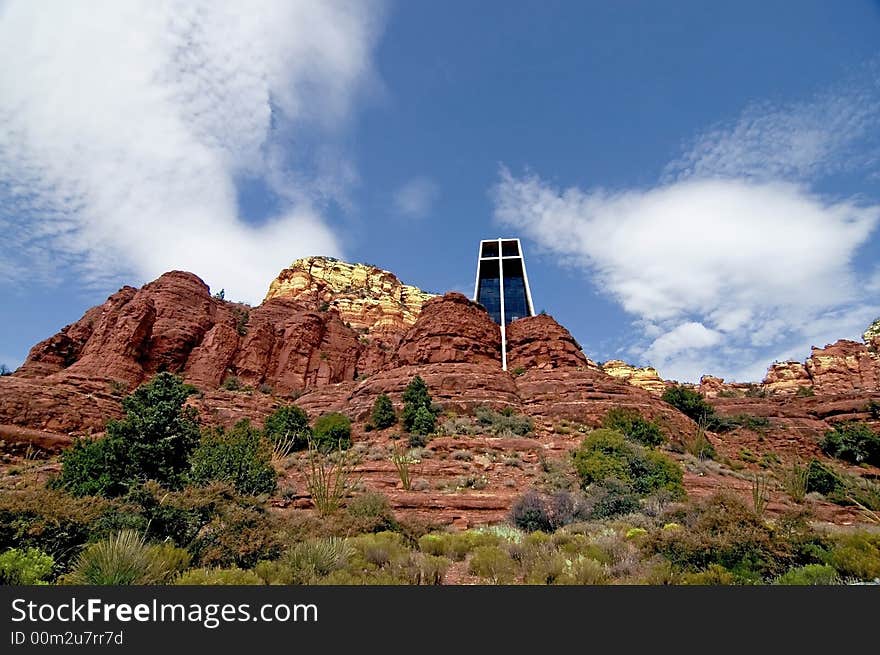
[247,360]
[335,335]
[642,377]
[327,338]
[366,297]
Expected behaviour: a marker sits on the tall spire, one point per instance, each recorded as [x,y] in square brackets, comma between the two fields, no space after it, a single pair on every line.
[502,285]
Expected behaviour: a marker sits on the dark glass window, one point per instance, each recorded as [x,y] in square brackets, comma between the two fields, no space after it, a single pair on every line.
[490,249]
[515,305]
[489,290]
[490,297]
[509,248]
[515,301]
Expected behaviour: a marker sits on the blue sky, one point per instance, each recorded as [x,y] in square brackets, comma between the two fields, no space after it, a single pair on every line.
[697,185]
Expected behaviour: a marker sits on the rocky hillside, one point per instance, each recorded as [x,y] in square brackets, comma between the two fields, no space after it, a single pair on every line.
[332,336]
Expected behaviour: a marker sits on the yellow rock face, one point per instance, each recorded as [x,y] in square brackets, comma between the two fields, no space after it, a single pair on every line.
[787,377]
[365,296]
[645,377]
[871,336]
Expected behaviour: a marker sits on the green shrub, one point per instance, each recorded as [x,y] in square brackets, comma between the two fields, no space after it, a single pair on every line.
[386,552]
[809,574]
[689,402]
[288,426]
[373,511]
[239,456]
[307,562]
[584,571]
[332,431]
[432,569]
[124,559]
[94,467]
[242,316]
[542,564]
[29,566]
[714,575]
[415,397]
[213,577]
[52,521]
[853,442]
[856,555]
[236,535]
[610,498]
[383,415]
[492,563]
[631,424]
[653,472]
[152,442]
[605,454]
[722,530]
[177,516]
[455,545]
[822,479]
[805,392]
[232,383]
[503,423]
[433,544]
[424,422]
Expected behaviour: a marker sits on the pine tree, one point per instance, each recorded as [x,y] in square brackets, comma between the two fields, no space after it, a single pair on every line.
[424,422]
[383,412]
[415,397]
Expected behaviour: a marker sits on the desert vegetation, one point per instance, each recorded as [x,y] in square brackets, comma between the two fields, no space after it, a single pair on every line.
[160,499]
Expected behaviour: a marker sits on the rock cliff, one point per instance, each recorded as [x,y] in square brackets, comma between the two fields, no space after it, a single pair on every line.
[333,336]
[366,297]
[642,377]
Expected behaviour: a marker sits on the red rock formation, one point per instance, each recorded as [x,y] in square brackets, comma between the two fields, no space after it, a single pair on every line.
[451,329]
[843,366]
[57,406]
[208,363]
[787,378]
[585,396]
[456,386]
[290,349]
[60,351]
[539,342]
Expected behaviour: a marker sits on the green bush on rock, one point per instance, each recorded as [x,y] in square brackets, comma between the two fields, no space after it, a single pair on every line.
[332,431]
[152,442]
[606,454]
[288,426]
[240,456]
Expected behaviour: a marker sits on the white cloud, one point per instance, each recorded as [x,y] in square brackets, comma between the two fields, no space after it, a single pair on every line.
[834,131]
[756,263]
[124,126]
[415,198]
[685,337]
[731,260]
